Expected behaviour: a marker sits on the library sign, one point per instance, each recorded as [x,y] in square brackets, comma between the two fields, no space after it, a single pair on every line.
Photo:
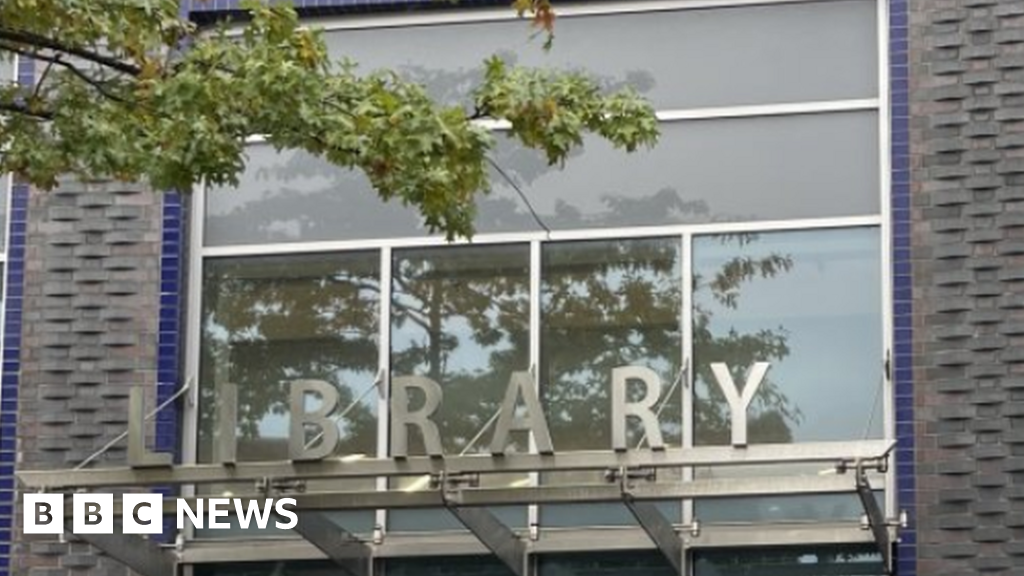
[94,513]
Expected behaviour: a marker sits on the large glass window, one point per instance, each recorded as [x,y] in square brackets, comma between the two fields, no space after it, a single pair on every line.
[755,165]
[752,233]
[723,170]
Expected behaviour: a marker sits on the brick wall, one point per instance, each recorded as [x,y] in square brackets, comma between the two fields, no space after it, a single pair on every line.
[91,310]
[967,138]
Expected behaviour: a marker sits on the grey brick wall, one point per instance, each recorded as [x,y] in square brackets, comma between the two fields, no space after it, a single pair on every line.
[967,142]
[92,283]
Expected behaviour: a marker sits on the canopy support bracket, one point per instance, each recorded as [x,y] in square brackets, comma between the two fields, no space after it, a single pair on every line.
[141,555]
[876,520]
[487,528]
[351,554]
[657,527]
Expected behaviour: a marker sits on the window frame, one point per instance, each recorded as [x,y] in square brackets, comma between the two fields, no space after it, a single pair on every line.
[880,104]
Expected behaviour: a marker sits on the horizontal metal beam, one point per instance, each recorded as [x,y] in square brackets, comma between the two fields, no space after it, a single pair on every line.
[704,456]
[589,493]
[550,541]
[142,556]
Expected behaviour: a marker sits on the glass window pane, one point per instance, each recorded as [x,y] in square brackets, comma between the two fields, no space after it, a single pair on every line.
[292,568]
[741,169]
[271,321]
[7,72]
[446,565]
[807,302]
[786,53]
[803,561]
[777,509]
[293,196]
[607,304]
[629,563]
[461,317]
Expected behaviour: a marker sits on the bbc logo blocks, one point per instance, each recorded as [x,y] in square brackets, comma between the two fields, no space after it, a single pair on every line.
[93,514]
[44,514]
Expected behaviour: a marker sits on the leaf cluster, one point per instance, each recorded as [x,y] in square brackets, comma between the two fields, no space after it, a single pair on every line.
[130,90]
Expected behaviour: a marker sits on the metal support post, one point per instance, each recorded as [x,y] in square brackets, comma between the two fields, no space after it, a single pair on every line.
[875,517]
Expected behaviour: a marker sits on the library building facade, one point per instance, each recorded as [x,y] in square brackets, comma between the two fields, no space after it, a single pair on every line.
[787,340]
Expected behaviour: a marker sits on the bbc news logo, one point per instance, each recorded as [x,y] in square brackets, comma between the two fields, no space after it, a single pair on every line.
[143,513]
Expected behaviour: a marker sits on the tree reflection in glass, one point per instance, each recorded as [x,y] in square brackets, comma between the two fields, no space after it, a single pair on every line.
[269,321]
[461,317]
[607,304]
[809,303]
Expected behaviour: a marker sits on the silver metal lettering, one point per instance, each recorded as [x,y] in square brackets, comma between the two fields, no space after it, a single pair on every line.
[402,417]
[738,403]
[642,409]
[521,385]
[297,449]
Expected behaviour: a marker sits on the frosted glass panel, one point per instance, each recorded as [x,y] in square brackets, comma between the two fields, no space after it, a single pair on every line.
[741,169]
[762,54]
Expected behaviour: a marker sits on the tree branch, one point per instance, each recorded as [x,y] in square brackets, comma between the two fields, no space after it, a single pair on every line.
[42,79]
[24,110]
[40,41]
[97,84]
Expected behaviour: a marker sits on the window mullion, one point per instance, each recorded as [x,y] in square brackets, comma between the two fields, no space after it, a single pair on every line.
[384,379]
